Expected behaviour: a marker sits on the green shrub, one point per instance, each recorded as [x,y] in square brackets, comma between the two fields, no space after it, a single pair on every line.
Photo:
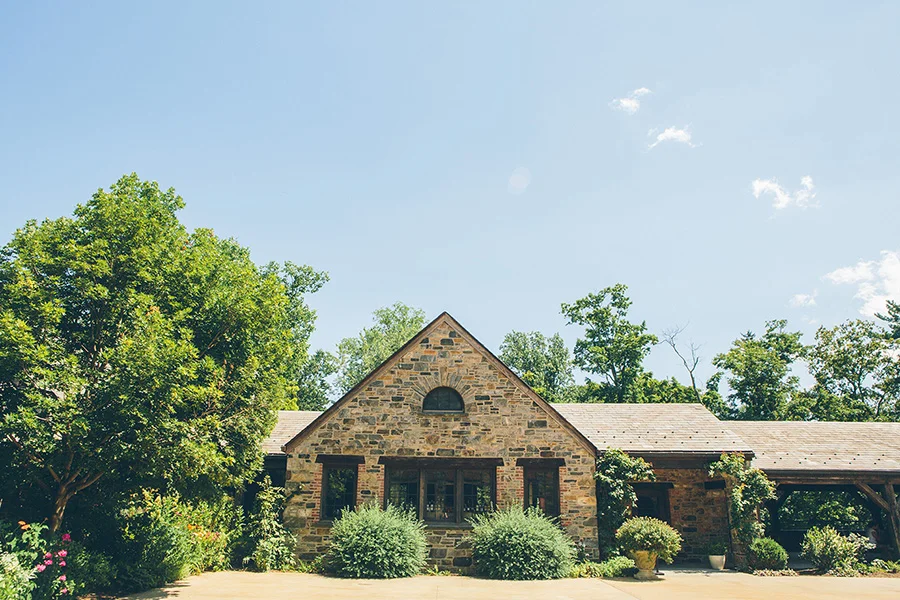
[15,580]
[372,543]
[154,547]
[42,557]
[768,555]
[616,471]
[650,535]
[716,548]
[830,552]
[779,573]
[94,571]
[214,529]
[515,543]
[617,566]
[269,545]
[748,491]
[885,566]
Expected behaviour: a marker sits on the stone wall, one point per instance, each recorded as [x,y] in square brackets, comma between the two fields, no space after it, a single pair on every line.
[698,514]
[384,418]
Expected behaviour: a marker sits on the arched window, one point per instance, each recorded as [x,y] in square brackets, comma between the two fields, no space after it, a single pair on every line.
[443,399]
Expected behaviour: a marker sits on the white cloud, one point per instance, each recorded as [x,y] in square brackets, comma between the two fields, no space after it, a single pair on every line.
[672,134]
[630,103]
[798,300]
[876,281]
[781,198]
[519,181]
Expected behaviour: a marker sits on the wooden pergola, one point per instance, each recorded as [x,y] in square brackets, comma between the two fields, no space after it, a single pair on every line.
[878,490]
[831,456]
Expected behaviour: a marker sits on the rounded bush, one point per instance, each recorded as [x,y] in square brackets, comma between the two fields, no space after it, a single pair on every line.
[649,535]
[520,544]
[768,555]
[830,552]
[371,543]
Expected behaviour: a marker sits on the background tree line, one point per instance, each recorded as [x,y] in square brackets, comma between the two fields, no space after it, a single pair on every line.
[136,354]
[854,366]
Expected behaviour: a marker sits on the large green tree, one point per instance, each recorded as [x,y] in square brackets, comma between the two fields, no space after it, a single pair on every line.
[134,352]
[358,356]
[857,373]
[757,370]
[612,346]
[891,319]
[543,363]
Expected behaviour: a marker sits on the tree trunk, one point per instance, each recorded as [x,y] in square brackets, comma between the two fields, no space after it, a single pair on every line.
[59,507]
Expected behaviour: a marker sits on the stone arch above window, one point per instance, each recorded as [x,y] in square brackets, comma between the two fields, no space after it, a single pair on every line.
[443,399]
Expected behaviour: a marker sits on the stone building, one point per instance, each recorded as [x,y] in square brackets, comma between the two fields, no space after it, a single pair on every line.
[445,428]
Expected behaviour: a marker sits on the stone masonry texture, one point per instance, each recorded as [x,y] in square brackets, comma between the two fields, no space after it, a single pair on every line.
[698,514]
[501,420]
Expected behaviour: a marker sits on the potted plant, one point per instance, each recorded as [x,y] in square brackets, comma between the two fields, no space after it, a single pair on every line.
[645,540]
[715,552]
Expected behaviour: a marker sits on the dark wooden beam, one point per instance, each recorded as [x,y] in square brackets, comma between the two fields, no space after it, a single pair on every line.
[893,512]
[873,495]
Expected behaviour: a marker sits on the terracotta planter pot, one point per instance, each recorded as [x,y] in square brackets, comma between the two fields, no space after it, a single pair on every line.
[717,561]
[646,564]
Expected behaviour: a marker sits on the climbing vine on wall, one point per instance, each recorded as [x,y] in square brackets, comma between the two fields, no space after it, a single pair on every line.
[616,470]
[749,489]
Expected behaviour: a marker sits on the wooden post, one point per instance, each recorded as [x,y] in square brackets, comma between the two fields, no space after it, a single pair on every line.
[893,514]
[887,503]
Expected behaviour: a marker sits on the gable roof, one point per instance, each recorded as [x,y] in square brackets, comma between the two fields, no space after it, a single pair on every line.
[288,424]
[654,428]
[444,317]
[824,447]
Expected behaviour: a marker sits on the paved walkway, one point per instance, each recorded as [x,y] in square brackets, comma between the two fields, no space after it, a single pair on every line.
[675,586]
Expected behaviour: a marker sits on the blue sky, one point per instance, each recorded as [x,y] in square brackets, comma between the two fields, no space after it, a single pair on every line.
[489,159]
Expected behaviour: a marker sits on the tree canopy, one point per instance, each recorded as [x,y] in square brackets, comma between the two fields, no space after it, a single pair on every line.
[891,319]
[358,356]
[757,370]
[857,374]
[134,352]
[612,346]
[545,364]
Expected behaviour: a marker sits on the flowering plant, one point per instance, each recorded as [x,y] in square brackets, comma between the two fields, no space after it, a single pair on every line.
[47,578]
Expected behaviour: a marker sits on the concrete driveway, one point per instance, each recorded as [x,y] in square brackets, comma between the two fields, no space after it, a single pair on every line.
[675,586]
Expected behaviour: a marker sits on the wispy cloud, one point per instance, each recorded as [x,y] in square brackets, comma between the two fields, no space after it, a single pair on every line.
[630,103]
[876,281]
[672,134]
[800,300]
[781,198]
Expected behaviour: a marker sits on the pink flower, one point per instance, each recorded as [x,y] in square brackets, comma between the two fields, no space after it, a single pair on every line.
[48,555]
[62,553]
[62,577]
[62,563]
[48,562]
[41,567]
[64,591]
[66,537]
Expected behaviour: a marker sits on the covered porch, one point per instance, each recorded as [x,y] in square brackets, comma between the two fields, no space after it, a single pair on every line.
[859,462]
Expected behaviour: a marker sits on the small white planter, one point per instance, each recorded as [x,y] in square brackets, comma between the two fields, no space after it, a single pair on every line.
[717,562]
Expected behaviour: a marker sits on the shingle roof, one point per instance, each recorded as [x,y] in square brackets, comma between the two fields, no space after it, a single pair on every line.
[653,428]
[290,422]
[778,446]
[822,446]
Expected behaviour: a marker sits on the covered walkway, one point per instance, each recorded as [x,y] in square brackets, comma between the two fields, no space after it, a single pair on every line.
[831,456]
